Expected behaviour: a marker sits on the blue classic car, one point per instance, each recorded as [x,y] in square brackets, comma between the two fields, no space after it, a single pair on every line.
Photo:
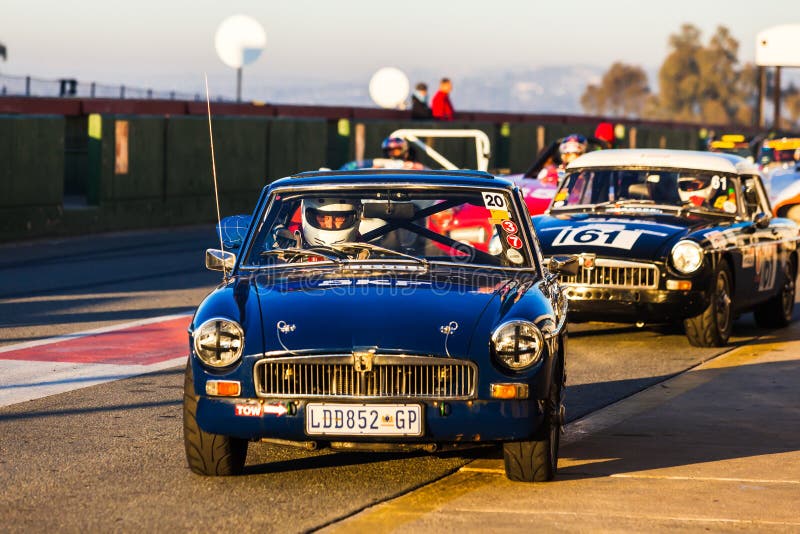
[345,321]
[668,236]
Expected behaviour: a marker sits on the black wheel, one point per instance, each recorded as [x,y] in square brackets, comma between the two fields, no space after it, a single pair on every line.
[208,454]
[537,460]
[712,327]
[777,311]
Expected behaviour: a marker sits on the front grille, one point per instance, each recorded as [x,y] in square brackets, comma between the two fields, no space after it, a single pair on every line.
[391,377]
[615,273]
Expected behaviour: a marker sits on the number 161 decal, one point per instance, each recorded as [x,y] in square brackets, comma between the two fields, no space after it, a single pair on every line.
[610,235]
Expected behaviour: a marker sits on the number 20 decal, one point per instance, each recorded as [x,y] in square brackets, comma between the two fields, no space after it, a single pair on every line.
[494,201]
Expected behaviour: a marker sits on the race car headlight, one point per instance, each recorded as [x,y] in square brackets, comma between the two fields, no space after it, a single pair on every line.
[219,342]
[687,256]
[517,344]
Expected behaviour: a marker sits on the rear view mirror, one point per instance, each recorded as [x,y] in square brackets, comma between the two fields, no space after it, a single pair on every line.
[233,230]
[220,260]
[567,265]
[389,210]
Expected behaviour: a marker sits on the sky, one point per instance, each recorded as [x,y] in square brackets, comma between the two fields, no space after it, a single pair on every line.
[164,43]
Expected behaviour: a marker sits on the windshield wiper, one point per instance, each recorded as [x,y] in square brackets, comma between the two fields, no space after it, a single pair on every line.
[378,248]
[704,210]
[325,252]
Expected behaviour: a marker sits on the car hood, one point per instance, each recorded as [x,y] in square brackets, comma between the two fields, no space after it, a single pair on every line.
[611,235]
[389,313]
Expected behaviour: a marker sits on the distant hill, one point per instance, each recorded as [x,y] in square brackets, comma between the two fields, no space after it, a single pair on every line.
[538,90]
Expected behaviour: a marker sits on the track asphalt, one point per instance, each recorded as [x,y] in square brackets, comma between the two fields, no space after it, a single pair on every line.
[715,448]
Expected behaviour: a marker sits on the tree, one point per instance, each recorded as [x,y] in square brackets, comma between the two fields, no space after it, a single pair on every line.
[705,83]
[679,76]
[622,91]
[792,104]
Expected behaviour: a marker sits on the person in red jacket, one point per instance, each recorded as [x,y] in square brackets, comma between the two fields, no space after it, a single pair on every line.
[441,108]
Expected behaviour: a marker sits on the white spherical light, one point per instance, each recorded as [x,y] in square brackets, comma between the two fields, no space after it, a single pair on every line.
[388,88]
[239,40]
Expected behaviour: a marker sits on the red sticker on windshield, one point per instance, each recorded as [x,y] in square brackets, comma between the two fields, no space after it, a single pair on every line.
[514,241]
[509,227]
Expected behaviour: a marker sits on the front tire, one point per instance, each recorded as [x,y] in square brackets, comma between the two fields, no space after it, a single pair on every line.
[712,327]
[777,311]
[537,460]
[208,454]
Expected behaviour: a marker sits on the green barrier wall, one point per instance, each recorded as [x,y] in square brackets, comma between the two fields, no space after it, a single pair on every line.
[523,147]
[169,177]
[144,178]
[32,160]
[296,145]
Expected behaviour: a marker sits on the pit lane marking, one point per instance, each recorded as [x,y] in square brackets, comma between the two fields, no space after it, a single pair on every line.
[41,368]
[95,331]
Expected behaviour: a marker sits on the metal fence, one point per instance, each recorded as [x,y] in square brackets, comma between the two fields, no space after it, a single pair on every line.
[70,87]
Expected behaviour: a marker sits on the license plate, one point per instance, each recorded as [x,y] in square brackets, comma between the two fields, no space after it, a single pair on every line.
[324,418]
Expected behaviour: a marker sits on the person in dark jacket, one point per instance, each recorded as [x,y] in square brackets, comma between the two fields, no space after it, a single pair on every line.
[441,107]
[419,102]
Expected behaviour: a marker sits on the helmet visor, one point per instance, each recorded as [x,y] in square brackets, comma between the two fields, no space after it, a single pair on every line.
[331,220]
[692,184]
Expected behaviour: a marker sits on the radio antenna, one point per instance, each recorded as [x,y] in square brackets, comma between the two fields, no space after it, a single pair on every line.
[214,172]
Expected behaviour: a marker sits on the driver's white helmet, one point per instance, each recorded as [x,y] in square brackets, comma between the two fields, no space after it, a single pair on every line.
[694,188]
[327,221]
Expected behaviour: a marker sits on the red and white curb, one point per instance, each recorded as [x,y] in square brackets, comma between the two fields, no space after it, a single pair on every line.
[56,365]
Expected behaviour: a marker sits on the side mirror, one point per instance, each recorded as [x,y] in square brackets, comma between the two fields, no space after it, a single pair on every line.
[233,230]
[220,260]
[761,220]
[567,265]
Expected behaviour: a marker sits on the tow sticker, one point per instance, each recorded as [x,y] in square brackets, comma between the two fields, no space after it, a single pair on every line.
[257,410]
[248,410]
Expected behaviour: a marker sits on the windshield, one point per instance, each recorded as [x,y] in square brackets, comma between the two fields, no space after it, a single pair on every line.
[680,189]
[416,225]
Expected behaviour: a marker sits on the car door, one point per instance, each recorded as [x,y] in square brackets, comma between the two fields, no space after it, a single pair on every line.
[764,256]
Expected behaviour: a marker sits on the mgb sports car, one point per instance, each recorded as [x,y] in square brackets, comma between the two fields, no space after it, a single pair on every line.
[669,236]
[339,331]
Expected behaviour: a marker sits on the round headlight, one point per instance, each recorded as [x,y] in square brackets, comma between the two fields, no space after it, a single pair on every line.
[687,256]
[517,344]
[219,342]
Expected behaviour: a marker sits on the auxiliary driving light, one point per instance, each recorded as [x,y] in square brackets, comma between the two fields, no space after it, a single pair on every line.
[223,388]
[509,391]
